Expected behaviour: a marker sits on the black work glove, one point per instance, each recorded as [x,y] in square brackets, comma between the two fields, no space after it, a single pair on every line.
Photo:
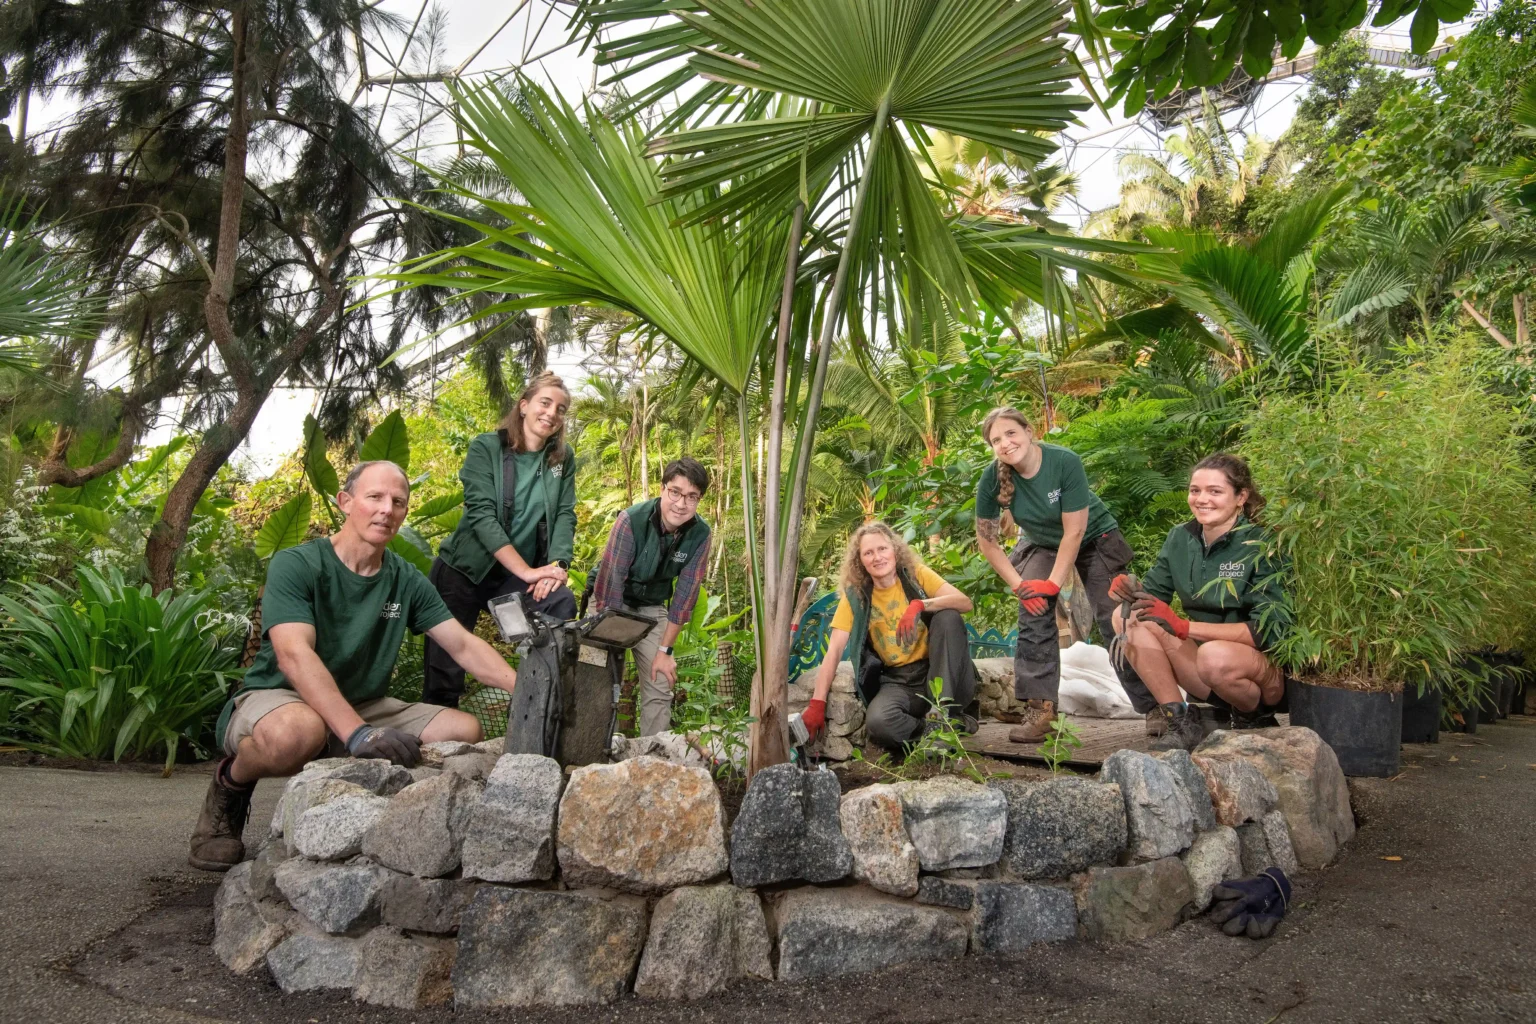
[380,741]
[1252,906]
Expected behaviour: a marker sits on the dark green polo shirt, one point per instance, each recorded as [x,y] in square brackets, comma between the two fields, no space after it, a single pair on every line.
[1060,485]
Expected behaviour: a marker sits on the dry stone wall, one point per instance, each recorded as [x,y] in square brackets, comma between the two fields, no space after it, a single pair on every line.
[501,881]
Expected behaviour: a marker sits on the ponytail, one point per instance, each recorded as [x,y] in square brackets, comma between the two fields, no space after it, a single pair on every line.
[1240,477]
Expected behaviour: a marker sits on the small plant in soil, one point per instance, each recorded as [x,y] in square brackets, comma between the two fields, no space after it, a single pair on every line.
[941,744]
[1059,746]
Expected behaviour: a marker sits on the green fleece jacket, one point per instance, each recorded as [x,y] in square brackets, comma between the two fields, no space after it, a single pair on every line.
[484,528]
[1232,580]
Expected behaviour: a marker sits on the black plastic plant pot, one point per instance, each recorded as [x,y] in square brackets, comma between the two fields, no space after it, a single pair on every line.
[1364,729]
[1421,715]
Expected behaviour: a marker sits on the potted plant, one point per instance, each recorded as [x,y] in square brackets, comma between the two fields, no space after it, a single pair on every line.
[1398,502]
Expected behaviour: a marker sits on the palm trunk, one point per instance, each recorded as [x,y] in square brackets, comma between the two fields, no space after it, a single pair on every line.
[1522,326]
[770,688]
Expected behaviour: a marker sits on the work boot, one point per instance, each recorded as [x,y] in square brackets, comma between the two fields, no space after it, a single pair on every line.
[1035,723]
[1181,727]
[1260,717]
[216,844]
[1156,723]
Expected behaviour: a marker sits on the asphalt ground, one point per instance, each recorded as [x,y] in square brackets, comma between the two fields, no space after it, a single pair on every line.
[1430,915]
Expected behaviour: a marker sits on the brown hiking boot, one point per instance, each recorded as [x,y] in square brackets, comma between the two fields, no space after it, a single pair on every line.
[1182,731]
[1035,724]
[1156,723]
[216,844]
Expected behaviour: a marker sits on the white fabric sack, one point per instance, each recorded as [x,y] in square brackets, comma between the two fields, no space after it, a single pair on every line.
[1089,686]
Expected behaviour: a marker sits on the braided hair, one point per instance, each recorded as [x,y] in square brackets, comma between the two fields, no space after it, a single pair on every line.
[1004,474]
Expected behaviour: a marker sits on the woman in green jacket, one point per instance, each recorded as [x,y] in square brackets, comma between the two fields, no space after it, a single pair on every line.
[1234,609]
[518,527]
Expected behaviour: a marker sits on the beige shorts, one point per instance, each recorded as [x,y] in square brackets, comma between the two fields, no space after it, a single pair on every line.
[254,705]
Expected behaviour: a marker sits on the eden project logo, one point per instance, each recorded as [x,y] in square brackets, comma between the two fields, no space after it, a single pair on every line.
[391,610]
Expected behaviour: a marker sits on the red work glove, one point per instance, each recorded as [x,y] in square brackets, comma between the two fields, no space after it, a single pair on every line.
[1124,587]
[906,629]
[814,717]
[1032,594]
[1155,610]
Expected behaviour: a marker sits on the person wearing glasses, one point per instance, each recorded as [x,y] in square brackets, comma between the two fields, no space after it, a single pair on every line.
[653,565]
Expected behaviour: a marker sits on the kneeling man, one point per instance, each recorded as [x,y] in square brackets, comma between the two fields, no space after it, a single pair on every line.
[653,565]
[907,628]
[334,613]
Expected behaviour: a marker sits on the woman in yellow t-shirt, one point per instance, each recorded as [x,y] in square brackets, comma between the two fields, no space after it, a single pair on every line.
[910,630]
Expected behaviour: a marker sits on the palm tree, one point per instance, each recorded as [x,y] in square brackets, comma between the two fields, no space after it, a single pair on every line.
[984,181]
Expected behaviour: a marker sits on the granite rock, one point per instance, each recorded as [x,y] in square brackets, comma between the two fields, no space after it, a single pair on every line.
[1267,843]
[788,828]
[337,898]
[643,825]
[1192,780]
[1012,916]
[433,754]
[431,905]
[334,830]
[1312,791]
[304,792]
[511,832]
[1239,791]
[1158,815]
[305,962]
[883,854]
[422,830]
[1116,904]
[942,892]
[245,929]
[1060,827]
[475,765]
[520,947]
[828,932]
[702,939]
[405,973]
[1214,857]
[954,823]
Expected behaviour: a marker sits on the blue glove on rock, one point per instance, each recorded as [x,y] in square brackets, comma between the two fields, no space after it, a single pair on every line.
[1252,906]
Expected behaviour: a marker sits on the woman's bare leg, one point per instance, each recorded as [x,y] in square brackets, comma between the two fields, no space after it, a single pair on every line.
[1238,674]
[1164,662]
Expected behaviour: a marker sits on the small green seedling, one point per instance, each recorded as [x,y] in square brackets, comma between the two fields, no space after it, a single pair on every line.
[1063,741]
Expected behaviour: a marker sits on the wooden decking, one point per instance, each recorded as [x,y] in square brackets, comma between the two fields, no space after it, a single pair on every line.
[1101,737]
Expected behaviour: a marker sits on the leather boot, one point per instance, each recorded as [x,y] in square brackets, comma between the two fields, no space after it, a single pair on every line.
[1183,729]
[1156,723]
[1035,724]
[216,844]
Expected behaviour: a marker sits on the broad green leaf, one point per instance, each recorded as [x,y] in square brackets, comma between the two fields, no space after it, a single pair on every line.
[411,553]
[389,441]
[93,520]
[438,505]
[285,527]
[317,465]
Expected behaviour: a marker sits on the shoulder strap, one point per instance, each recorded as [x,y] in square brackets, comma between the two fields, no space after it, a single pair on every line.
[508,478]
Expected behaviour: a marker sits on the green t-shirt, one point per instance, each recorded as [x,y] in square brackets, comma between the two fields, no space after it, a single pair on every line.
[359,621]
[1059,486]
[527,504]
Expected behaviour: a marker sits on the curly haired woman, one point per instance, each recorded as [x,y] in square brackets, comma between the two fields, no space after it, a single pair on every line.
[910,630]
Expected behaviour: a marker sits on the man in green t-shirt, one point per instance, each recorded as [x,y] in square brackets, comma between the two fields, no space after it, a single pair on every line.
[334,613]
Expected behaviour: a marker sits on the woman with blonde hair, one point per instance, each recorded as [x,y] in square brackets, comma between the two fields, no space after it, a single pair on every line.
[1062,525]
[519,525]
[909,631]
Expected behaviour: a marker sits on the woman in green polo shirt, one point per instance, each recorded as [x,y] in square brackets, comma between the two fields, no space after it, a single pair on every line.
[1233,602]
[1062,524]
[518,527]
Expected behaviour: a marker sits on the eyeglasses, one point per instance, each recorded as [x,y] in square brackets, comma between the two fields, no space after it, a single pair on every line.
[682,496]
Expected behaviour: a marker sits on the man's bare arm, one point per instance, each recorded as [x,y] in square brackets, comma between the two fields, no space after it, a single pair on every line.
[473,654]
[294,645]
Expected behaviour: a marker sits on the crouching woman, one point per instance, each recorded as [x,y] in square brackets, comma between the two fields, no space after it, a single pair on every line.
[908,629]
[1233,603]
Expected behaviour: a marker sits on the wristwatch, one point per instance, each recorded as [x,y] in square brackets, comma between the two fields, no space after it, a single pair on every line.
[664,649]
[564,563]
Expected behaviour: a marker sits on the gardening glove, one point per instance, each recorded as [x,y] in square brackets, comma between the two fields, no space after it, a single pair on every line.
[1032,594]
[1124,587]
[1155,610]
[380,741]
[906,629]
[814,717]
[1252,906]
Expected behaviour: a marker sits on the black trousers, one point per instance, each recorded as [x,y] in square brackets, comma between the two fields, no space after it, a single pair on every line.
[444,679]
[895,714]
[1037,657]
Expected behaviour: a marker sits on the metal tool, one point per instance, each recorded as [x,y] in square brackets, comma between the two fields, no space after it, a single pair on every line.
[1117,655]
